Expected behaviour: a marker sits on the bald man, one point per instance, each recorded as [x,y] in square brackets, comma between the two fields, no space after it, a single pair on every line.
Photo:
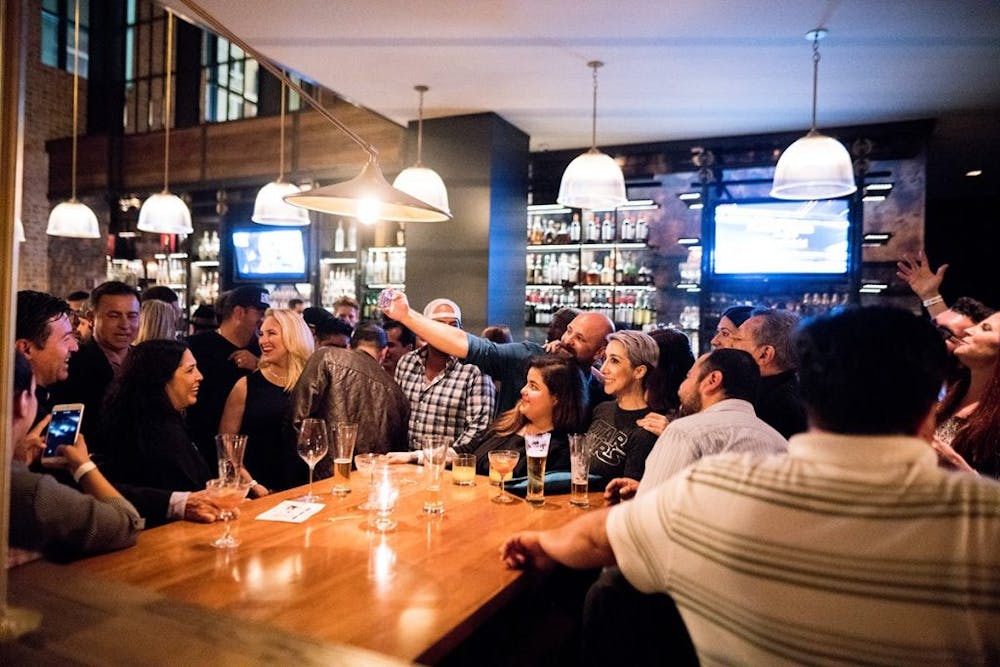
[584,340]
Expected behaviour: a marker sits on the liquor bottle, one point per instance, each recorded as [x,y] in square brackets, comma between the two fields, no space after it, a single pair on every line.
[536,232]
[607,229]
[352,236]
[338,237]
[400,235]
[593,230]
[607,273]
[562,233]
[641,230]
[574,269]
[574,229]
[628,230]
[214,246]
[204,246]
[550,232]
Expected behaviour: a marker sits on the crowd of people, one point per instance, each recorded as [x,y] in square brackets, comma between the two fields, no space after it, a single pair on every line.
[789,495]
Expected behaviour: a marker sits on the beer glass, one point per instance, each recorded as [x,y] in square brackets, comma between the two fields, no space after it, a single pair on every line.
[434,449]
[536,447]
[347,435]
[579,461]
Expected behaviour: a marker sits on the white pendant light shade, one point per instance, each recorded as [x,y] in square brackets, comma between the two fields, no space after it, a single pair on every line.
[74,220]
[270,207]
[814,167]
[425,185]
[165,213]
[592,180]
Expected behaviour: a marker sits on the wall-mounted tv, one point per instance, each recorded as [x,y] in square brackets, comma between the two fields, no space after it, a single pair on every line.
[770,238]
[269,254]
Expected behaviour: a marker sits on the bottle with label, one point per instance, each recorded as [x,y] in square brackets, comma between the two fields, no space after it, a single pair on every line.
[641,229]
[338,237]
[574,229]
[562,233]
[550,232]
[607,229]
[352,236]
[400,235]
[628,229]
[593,230]
[537,233]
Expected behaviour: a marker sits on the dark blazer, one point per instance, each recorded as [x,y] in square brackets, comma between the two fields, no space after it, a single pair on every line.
[90,378]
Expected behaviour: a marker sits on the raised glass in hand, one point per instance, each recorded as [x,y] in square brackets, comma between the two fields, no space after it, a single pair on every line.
[503,461]
[312,447]
[227,494]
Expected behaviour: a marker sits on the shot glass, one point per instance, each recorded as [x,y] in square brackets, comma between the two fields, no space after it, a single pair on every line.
[463,470]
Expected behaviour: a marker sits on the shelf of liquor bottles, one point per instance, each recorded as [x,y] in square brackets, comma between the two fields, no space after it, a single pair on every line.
[384,266]
[591,260]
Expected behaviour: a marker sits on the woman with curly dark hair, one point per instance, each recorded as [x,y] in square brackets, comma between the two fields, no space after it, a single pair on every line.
[146,441]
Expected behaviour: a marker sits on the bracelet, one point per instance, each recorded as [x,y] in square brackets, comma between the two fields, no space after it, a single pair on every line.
[84,468]
[937,298]
[254,483]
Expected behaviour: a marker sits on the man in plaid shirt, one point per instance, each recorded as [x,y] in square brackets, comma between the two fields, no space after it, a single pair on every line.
[446,397]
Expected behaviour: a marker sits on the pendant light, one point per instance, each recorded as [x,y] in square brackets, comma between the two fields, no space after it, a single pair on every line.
[816,166]
[72,218]
[367,196]
[270,208]
[593,180]
[418,180]
[166,213]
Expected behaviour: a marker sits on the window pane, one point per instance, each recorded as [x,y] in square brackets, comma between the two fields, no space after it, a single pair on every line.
[250,82]
[220,105]
[84,13]
[236,53]
[249,110]
[235,107]
[130,12]
[50,40]
[223,74]
[129,54]
[222,50]
[236,77]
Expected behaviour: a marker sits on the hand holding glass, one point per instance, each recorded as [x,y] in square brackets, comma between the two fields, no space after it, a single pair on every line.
[227,494]
[312,447]
[503,461]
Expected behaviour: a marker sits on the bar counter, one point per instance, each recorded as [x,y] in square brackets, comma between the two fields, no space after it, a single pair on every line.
[412,594]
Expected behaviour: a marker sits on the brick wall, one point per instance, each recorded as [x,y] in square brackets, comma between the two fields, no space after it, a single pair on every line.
[52,264]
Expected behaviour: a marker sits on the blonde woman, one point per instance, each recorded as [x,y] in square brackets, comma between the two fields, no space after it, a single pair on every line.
[157,321]
[257,404]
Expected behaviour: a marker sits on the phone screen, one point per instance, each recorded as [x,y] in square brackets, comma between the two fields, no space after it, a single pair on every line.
[62,429]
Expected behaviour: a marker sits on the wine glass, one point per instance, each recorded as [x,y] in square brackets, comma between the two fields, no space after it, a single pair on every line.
[227,493]
[503,461]
[312,448]
[365,463]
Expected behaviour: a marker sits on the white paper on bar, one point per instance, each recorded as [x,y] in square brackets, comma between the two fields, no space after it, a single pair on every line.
[291,511]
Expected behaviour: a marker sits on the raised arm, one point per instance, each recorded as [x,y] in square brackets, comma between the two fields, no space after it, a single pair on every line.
[916,272]
[448,339]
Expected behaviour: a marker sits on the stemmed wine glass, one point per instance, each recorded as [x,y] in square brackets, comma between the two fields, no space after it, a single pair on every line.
[227,493]
[503,461]
[312,447]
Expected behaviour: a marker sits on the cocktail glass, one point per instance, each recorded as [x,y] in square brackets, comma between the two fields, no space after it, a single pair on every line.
[227,494]
[503,461]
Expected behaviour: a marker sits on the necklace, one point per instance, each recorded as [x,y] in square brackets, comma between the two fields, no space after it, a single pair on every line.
[279,378]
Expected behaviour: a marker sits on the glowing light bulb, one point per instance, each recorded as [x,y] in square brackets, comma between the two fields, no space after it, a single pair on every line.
[369,210]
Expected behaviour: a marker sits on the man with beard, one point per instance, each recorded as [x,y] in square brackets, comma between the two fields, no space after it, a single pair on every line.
[584,340]
[716,400]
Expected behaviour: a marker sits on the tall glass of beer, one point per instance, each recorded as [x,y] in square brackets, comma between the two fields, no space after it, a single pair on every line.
[347,435]
[537,449]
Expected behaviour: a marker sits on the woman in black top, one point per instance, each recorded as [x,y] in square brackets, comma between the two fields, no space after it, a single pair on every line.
[619,446]
[146,441]
[258,403]
[551,402]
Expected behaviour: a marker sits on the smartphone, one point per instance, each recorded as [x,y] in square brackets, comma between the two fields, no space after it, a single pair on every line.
[63,428]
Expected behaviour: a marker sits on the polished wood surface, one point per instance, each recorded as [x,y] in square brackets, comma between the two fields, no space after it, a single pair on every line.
[413,593]
[88,621]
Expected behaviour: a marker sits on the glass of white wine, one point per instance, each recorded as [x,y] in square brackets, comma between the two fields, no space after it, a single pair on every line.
[312,447]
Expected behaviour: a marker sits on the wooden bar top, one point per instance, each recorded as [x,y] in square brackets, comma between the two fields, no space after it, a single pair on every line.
[413,593]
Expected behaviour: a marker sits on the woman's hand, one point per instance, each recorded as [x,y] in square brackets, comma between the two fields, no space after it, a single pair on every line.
[950,458]
[31,446]
[653,422]
[916,272]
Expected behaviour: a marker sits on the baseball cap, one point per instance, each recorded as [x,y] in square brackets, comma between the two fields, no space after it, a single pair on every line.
[313,315]
[250,296]
[443,309]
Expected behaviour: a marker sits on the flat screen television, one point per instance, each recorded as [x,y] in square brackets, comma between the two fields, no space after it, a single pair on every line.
[269,254]
[771,238]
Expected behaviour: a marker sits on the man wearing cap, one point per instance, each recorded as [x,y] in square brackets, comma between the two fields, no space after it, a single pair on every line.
[584,340]
[447,398]
[340,385]
[224,355]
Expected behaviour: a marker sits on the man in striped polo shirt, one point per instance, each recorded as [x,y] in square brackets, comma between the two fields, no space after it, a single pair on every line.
[855,547]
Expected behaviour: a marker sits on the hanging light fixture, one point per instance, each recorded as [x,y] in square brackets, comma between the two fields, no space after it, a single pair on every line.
[166,213]
[72,218]
[816,166]
[270,208]
[593,180]
[367,196]
[418,180]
